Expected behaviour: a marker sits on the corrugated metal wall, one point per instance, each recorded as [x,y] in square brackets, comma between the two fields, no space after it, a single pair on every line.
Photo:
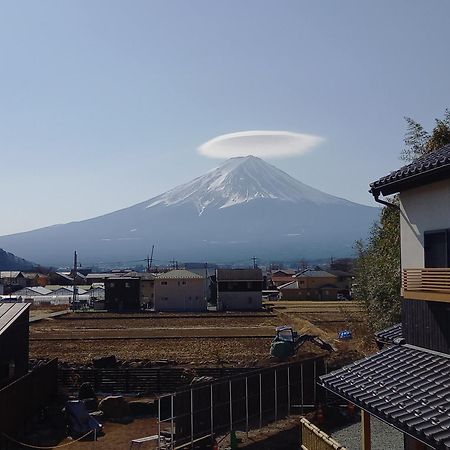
[427,324]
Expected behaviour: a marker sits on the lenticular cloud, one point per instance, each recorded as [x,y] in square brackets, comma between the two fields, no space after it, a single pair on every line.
[265,144]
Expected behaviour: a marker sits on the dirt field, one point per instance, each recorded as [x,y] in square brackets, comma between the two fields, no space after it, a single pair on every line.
[209,338]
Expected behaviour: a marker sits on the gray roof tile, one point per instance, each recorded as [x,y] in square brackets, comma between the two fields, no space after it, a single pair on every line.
[390,335]
[430,167]
[405,386]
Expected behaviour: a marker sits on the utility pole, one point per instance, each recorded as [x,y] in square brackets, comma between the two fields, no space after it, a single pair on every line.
[150,261]
[205,285]
[74,294]
[255,266]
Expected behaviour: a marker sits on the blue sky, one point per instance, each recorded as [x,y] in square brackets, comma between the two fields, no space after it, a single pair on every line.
[104,103]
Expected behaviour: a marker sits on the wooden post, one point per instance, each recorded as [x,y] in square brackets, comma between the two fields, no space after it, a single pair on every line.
[365,430]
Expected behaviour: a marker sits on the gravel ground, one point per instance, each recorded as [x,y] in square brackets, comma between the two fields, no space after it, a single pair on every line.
[383,436]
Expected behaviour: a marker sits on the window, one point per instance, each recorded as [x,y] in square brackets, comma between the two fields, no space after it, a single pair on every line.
[111,284]
[437,248]
[183,282]
[163,283]
[127,285]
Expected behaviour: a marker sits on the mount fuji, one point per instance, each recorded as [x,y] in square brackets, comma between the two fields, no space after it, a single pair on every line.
[243,208]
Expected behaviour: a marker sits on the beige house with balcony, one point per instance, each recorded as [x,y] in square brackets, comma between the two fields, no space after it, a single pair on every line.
[407,383]
[179,290]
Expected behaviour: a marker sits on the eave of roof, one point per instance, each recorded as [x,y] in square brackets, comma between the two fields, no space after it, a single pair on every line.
[405,386]
[9,312]
[431,167]
[390,335]
[178,274]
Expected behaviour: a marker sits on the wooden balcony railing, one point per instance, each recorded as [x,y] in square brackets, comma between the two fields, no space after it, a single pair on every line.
[426,284]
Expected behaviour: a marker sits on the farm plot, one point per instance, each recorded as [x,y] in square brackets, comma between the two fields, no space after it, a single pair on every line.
[200,339]
[197,339]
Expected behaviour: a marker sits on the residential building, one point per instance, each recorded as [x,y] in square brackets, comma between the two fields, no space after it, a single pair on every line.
[13,279]
[14,338]
[280,277]
[310,285]
[35,279]
[180,290]
[239,289]
[407,384]
[122,294]
[66,278]
[147,289]
[343,282]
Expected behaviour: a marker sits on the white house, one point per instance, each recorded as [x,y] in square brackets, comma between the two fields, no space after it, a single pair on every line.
[406,384]
[179,290]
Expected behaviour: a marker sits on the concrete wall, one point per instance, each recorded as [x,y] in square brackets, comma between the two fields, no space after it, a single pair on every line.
[180,295]
[425,208]
[147,292]
[240,301]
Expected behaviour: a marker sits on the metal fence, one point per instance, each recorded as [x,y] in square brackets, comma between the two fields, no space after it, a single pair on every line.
[315,439]
[148,380]
[192,416]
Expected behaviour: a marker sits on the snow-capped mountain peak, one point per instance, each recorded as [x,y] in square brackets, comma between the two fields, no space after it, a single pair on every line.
[241,180]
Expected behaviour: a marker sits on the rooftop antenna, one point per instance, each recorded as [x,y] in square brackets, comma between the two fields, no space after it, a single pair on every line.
[255,265]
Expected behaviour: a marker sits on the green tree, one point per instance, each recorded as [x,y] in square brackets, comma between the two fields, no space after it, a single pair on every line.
[377,271]
[419,142]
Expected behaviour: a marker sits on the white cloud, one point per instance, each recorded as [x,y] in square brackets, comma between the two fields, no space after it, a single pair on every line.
[265,144]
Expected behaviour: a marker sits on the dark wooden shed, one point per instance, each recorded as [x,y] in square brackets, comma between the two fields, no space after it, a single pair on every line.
[14,339]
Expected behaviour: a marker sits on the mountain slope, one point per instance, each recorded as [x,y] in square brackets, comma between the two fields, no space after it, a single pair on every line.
[8,261]
[244,207]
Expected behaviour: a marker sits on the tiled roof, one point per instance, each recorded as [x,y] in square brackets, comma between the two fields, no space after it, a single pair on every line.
[314,274]
[390,335]
[405,386]
[9,312]
[430,167]
[239,274]
[178,274]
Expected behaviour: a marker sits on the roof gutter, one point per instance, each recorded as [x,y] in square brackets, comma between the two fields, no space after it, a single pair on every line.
[376,196]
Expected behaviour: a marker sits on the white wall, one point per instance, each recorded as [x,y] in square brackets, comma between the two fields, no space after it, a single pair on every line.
[176,296]
[425,208]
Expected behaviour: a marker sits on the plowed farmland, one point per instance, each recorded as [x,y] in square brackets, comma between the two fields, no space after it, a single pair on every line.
[209,338]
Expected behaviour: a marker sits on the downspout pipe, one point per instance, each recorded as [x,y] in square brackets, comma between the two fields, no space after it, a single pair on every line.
[376,196]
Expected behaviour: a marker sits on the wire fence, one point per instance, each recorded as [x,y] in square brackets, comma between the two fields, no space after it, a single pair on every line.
[239,403]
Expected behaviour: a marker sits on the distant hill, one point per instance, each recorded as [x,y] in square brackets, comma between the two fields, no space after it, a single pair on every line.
[244,208]
[9,261]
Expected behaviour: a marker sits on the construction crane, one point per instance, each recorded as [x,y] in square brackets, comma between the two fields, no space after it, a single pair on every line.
[286,342]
